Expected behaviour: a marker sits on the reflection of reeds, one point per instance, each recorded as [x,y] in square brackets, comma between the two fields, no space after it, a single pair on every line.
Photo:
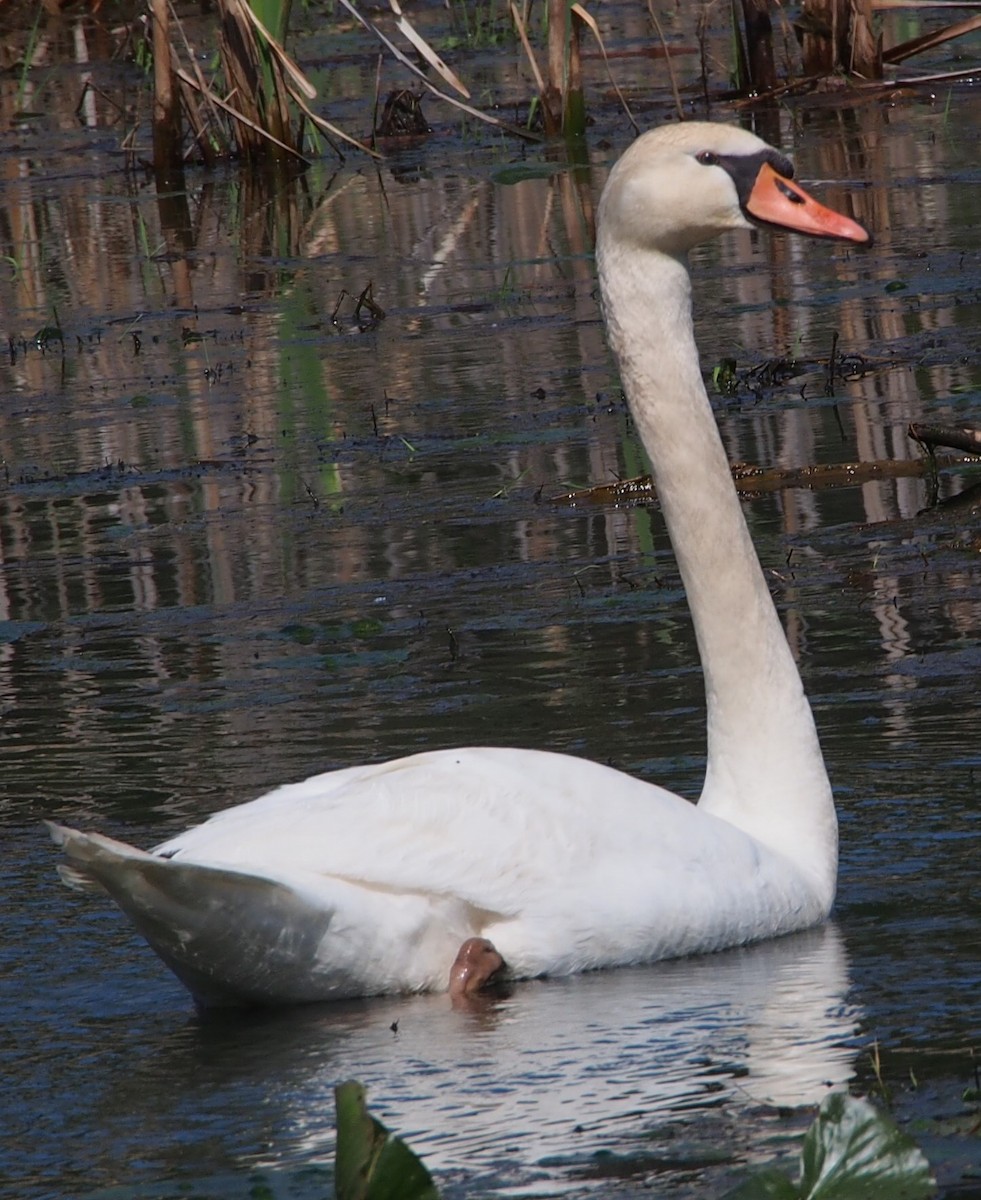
[255,269]
[836,35]
[838,40]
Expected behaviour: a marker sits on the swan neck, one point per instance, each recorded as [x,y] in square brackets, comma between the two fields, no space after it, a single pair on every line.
[764,768]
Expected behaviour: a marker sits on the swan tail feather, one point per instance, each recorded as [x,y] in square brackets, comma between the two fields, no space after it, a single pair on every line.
[232,938]
[89,854]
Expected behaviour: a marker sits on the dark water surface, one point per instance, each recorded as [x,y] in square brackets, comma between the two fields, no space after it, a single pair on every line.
[241,542]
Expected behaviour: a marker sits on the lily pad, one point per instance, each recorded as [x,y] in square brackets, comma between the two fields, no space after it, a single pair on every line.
[851,1152]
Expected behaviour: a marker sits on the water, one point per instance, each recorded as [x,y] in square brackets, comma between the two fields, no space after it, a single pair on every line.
[242,542]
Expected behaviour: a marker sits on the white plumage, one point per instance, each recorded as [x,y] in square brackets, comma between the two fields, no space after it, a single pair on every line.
[368,880]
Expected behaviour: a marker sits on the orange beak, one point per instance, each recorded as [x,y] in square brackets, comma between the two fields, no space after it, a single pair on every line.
[776,200]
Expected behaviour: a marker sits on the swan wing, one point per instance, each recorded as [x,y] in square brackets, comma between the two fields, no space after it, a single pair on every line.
[563,863]
[496,828]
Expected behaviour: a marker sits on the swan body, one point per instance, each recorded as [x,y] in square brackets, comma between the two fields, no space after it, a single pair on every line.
[371,879]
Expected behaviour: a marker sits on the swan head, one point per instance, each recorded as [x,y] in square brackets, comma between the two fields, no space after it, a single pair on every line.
[683,184]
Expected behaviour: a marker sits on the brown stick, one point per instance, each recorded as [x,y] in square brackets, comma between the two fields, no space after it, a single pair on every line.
[966,440]
[917,45]
[759,45]
[167,135]
[555,67]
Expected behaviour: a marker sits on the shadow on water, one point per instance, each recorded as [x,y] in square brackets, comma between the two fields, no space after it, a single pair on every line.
[246,535]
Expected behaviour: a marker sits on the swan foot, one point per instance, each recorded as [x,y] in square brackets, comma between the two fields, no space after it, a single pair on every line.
[476,965]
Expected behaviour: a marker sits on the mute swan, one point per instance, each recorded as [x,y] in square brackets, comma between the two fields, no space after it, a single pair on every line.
[424,873]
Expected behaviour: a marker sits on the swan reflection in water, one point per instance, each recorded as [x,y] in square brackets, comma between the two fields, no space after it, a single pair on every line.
[558,1067]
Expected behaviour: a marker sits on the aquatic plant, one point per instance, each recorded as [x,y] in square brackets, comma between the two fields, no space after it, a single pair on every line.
[259,103]
[371,1163]
[852,1151]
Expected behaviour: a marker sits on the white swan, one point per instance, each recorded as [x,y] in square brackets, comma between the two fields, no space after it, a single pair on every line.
[372,879]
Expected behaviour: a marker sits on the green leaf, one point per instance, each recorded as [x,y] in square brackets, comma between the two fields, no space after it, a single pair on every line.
[373,1164]
[851,1152]
[724,377]
[854,1152]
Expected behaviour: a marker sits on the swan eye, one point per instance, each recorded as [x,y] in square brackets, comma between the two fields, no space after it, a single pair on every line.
[707,158]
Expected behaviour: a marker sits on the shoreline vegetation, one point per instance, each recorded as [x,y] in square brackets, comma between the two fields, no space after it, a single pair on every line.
[251,100]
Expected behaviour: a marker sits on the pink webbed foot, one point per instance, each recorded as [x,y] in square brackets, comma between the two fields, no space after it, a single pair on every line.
[476,964]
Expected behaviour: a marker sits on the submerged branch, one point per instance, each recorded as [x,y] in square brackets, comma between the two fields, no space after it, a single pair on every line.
[929,436]
[750,480]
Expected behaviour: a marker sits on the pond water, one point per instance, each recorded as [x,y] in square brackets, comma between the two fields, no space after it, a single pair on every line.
[248,534]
